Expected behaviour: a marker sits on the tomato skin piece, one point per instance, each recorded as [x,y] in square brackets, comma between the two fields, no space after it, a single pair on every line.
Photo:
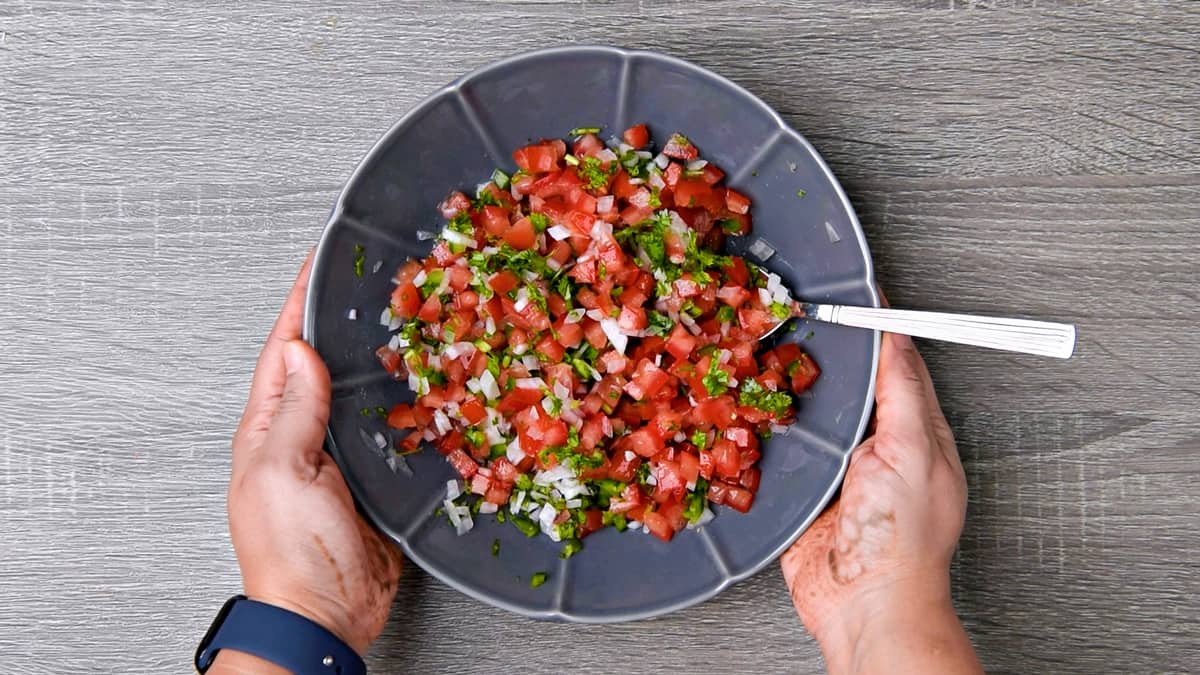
[750,478]
[637,136]
[680,148]
[712,174]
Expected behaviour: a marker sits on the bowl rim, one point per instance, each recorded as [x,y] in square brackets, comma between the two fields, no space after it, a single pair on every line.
[321,252]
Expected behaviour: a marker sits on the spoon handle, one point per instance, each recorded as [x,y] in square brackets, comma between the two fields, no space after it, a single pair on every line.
[1015,335]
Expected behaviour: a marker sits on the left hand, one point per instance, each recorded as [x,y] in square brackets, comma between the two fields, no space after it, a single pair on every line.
[300,543]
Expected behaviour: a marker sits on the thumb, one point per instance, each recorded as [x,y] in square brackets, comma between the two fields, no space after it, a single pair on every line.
[299,426]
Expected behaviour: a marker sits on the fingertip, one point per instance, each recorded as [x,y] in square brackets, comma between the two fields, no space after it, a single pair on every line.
[293,356]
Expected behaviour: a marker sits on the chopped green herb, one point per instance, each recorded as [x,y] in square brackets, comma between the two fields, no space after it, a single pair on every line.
[730,226]
[616,520]
[483,198]
[500,518]
[699,439]
[475,436]
[696,500]
[725,314]
[524,482]
[593,173]
[496,544]
[537,579]
[660,324]
[754,173]
[365,412]
[655,199]
[359,259]
[716,381]
[524,524]
[569,549]
[500,179]
[754,395]
[582,131]
[808,335]
[800,194]
[540,221]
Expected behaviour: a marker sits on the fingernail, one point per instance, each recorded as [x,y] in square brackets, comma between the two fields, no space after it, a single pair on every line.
[293,357]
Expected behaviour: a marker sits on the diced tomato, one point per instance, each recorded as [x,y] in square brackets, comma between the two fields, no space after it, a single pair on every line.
[401,417]
[462,463]
[679,147]
[756,321]
[497,493]
[738,498]
[594,333]
[472,410]
[718,412]
[737,202]
[502,282]
[734,296]
[406,300]
[587,145]
[658,525]
[551,349]
[494,220]
[480,483]
[725,458]
[613,362]
[707,465]
[669,481]
[593,520]
[537,158]
[680,343]
[430,310]
[803,373]
[750,478]
[647,381]
[454,204]
[569,334]
[637,136]
[521,235]
[689,467]
[632,318]
[711,174]
[517,400]
[645,443]
[504,470]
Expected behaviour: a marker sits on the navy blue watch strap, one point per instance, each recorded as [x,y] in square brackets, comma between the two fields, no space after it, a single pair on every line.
[279,636]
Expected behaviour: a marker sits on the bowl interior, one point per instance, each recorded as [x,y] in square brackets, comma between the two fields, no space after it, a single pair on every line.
[453,141]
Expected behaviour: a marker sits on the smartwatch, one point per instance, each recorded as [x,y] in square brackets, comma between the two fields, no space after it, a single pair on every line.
[279,636]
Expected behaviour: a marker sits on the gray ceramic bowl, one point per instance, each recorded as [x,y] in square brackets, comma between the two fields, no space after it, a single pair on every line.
[453,140]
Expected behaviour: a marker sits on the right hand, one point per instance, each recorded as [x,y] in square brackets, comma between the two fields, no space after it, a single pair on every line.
[870,578]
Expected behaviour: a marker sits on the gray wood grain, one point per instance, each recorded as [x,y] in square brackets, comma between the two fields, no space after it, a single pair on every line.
[164,167]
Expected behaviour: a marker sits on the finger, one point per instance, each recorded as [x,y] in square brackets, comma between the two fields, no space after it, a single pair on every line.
[903,400]
[298,429]
[269,373]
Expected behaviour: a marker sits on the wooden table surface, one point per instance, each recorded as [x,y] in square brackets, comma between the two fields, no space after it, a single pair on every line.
[165,166]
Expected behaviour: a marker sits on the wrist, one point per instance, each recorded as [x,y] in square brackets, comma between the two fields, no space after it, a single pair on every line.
[883,614]
[335,621]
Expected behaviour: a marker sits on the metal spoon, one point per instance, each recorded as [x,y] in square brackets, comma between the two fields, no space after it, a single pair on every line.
[1015,335]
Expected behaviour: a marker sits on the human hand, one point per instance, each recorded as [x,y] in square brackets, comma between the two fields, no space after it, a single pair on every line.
[299,541]
[870,578]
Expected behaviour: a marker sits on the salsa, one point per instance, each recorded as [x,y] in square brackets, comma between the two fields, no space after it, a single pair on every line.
[580,350]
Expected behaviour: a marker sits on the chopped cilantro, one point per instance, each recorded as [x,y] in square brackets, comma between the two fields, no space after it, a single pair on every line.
[582,131]
[593,173]
[381,411]
[699,439]
[540,221]
[696,501]
[572,547]
[660,324]
[475,436]
[716,381]
[500,516]
[606,489]
[537,579]
[655,199]
[800,194]
[754,395]
[496,544]
[461,223]
[730,226]
[365,412]
[482,199]
[616,520]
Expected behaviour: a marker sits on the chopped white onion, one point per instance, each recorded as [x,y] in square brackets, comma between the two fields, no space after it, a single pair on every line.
[517,501]
[780,429]
[630,455]
[531,362]
[458,238]
[420,278]
[394,343]
[453,489]
[547,515]
[561,391]
[761,250]
[530,275]
[606,155]
[696,164]
[705,516]
[662,161]
[380,440]
[636,181]
[522,300]
[558,232]
[425,235]
[613,331]
[385,317]
[352,314]
[574,503]
[513,452]
[575,316]
[488,507]
[651,480]
[474,386]
[605,204]
[530,383]
[680,437]
[595,315]
[442,422]
[657,182]
[489,386]
[764,296]
[375,268]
